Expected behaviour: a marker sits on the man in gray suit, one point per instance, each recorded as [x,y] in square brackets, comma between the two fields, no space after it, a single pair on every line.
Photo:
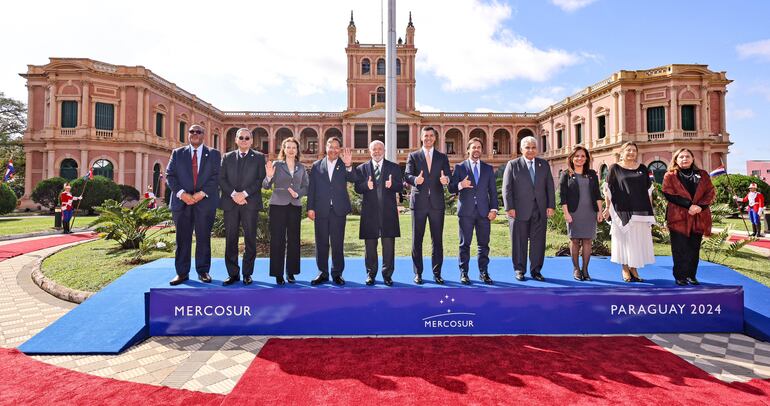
[528,194]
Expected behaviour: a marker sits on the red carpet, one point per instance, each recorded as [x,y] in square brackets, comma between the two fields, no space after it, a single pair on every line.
[20,248]
[29,382]
[481,370]
[759,243]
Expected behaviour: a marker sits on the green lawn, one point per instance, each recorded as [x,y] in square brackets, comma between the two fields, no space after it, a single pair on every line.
[105,264]
[10,226]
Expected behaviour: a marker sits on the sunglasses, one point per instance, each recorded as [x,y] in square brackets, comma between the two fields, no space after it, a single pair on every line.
[195,132]
[244,138]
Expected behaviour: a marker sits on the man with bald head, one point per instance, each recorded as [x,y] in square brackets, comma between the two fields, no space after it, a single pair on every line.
[192,175]
[529,197]
[379,183]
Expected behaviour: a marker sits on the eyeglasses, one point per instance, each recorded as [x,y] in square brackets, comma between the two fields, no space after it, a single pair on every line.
[244,138]
[195,132]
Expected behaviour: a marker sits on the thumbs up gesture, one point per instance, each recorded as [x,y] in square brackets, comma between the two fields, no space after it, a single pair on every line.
[444,179]
[389,182]
[419,179]
[370,183]
[466,183]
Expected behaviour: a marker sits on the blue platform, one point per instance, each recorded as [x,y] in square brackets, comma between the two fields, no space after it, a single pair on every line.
[115,318]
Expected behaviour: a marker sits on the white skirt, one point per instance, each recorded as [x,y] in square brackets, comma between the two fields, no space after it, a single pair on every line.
[631,243]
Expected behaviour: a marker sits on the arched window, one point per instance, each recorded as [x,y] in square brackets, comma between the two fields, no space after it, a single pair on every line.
[398,67]
[658,169]
[69,169]
[156,179]
[380,94]
[603,172]
[103,167]
[380,66]
[366,66]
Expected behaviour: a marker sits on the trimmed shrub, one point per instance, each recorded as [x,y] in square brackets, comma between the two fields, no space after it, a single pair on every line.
[740,186]
[7,199]
[98,191]
[129,193]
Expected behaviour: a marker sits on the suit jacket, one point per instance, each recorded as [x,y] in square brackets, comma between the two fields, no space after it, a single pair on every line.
[282,180]
[322,193]
[480,199]
[379,209]
[179,177]
[429,195]
[569,191]
[520,194]
[241,175]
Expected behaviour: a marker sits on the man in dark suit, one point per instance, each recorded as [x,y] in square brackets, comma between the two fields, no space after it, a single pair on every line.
[427,171]
[240,180]
[192,176]
[328,205]
[379,182]
[474,181]
[528,194]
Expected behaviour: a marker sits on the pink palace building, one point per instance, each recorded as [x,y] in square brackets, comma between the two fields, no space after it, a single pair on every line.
[124,120]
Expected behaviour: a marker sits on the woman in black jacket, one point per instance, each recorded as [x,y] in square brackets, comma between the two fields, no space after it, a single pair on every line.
[582,206]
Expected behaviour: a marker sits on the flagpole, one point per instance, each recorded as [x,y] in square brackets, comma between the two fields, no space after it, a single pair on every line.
[80,199]
[732,193]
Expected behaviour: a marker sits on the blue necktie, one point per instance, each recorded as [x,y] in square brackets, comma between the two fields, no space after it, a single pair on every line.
[531,165]
[476,172]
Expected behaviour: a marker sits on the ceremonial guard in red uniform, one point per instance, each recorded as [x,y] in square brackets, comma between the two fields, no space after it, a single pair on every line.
[149,195]
[756,208]
[66,207]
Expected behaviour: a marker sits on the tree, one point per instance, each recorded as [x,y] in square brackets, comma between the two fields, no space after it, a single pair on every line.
[740,186]
[13,118]
[47,192]
[7,199]
[99,190]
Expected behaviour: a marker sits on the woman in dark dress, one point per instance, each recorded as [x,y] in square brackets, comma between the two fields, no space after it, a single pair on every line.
[689,192]
[582,205]
[628,201]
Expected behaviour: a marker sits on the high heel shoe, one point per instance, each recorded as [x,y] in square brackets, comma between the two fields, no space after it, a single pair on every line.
[635,275]
[586,276]
[279,280]
[577,275]
[627,275]
[290,278]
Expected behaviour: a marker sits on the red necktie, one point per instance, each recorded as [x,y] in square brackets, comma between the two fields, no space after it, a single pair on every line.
[195,167]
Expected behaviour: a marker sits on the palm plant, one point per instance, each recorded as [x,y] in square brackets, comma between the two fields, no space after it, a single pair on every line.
[131,226]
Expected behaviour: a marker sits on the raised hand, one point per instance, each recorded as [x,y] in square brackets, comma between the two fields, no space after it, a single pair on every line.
[347,157]
[370,183]
[389,182]
[269,169]
[466,183]
[444,179]
[419,179]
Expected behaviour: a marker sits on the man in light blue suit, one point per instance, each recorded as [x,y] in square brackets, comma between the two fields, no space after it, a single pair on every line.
[474,182]
[192,175]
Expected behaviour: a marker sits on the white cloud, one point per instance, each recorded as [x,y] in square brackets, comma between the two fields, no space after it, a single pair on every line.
[485,110]
[424,108]
[571,5]
[539,99]
[759,49]
[740,114]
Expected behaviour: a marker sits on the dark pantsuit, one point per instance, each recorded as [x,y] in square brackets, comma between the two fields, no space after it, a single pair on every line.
[482,227]
[236,218]
[686,253]
[284,239]
[532,232]
[388,256]
[435,219]
[187,220]
[330,229]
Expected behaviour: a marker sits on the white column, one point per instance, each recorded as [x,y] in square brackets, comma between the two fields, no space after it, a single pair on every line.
[145,170]
[28,173]
[121,168]
[122,125]
[138,171]
[140,109]
[674,109]
[147,112]
[704,109]
[84,104]
[638,110]
[568,130]
[171,122]
[368,134]
[52,106]
[615,113]
[621,113]
[490,142]
[84,164]
[589,135]
[722,123]
[51,156]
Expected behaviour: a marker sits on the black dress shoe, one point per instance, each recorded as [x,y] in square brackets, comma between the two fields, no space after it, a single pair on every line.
[681,282]
[538,277]
[279,280]
[321,278]
[178,279]
[484,276]
[290,278]
[418,279]
[370,280]
[464,279]
[247,280]
[229,281]
[438,279]
[693,281]
[338,280]
[520,277]
[204,277]
[388,282]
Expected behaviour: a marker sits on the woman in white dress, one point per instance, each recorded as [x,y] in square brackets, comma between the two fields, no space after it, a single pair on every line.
[628,202]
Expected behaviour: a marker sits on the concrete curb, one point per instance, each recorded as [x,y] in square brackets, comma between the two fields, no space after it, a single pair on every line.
[53,288]
[39,234]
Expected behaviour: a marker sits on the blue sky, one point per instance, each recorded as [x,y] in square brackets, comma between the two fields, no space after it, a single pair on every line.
[472,55]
